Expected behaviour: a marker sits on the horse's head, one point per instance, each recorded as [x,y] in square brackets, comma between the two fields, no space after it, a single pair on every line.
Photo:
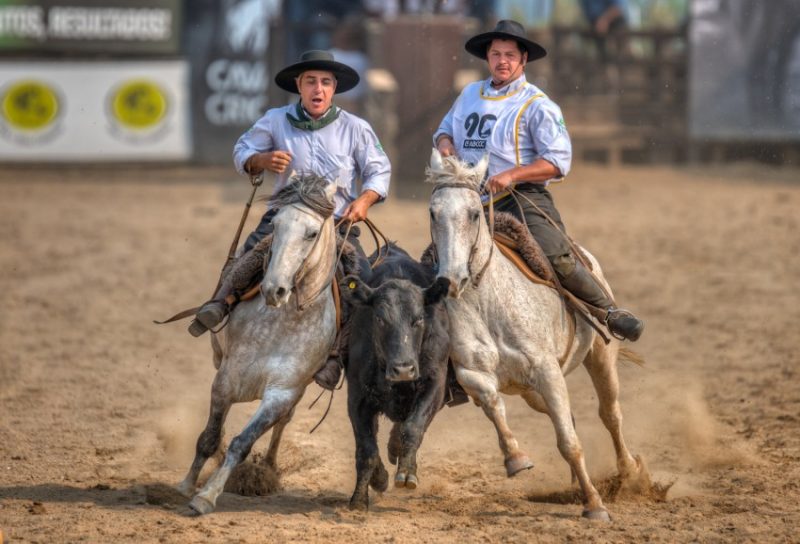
[303,236]
[456,216]
[399,317]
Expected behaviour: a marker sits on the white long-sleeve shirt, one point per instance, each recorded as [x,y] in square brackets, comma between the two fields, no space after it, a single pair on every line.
[345,151]
[515,125]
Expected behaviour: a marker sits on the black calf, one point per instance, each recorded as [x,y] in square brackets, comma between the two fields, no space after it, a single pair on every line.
[399,346]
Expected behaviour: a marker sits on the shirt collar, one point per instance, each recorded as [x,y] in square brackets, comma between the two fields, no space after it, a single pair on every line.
[511,88]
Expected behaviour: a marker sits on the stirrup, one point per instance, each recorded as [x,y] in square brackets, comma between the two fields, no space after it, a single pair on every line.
[628,326]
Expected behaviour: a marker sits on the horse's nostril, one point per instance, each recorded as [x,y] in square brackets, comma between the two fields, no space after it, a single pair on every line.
[280,291]
[462,284]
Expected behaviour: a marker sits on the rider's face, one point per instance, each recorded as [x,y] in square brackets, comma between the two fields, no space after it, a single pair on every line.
[506,61]
[316,89]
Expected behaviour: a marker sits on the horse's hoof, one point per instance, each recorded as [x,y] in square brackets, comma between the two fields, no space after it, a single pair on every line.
[598,514]
[201,506]
[411,482]
[400,479]
[517,464]
[185,488]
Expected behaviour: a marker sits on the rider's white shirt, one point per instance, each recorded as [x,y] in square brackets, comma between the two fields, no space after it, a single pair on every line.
[515,125]
[344,151]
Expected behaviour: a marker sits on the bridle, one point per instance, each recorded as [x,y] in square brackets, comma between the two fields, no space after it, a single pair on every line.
[476,278]
[300,300]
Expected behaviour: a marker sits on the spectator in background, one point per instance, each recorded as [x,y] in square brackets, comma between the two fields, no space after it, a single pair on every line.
[350,47]
[311,23]
[608,21]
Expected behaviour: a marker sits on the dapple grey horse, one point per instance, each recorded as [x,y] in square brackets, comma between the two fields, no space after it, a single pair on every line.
[509,335]
[272,351]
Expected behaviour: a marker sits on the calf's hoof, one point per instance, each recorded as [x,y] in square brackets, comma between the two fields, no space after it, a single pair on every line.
[395,444]
[598,514]
[360,504]
[201,506]
[408,481]
[380,479]
[517,464]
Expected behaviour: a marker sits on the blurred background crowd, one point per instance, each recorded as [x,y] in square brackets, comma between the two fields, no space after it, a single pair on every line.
[179,80]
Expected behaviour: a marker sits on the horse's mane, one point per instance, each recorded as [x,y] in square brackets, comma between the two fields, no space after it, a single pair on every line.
[453,170]
[307,189]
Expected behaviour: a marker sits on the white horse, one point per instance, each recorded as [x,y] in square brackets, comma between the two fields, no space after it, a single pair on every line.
[272,351]
[510,335]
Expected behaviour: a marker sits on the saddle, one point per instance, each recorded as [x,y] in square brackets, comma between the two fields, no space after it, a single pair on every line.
[515,242]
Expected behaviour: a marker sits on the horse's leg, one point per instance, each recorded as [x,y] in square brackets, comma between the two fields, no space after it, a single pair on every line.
[553,389]
[275,405]
[536,402]
[601,363]
[413,429]
[271,459]
[369,467]
[208,442]
[483,386]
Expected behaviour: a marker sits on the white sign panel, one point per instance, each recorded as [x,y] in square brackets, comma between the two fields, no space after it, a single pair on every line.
[94,111]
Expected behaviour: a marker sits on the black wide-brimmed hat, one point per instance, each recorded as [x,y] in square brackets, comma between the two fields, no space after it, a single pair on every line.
[505,30]
[346,77]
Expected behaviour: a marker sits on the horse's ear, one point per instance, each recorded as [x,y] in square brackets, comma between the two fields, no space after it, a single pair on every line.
[330,190]
[481,167]
[437,291]
[436,160]
[355,291]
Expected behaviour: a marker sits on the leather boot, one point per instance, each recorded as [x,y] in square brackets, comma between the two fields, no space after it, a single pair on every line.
[212,312]
[328,376]
[622,324]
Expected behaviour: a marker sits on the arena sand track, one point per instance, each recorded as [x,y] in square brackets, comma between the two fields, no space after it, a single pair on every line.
[100,409]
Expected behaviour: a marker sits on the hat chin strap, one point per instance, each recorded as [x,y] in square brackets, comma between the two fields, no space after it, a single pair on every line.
[511,78]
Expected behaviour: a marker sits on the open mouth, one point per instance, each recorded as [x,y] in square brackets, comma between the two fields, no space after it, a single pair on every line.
[316,101]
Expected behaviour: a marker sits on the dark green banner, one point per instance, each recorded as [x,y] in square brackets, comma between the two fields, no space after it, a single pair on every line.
[131,27]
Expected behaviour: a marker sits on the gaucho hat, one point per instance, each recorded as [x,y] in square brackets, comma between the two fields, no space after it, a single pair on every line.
[346,77]
[505,30]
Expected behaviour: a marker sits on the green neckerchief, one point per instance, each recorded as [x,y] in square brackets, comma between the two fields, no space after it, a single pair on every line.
[304,122]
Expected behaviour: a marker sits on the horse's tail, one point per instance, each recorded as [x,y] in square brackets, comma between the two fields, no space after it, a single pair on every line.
[631,356]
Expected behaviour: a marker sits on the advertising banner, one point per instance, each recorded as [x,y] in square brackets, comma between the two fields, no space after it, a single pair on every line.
[227,42]
[90,26]
[745,70]
[94,111]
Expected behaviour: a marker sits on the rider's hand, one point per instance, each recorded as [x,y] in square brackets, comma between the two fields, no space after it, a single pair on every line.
[445,146]
[357,210]
[499,182]
[274,161]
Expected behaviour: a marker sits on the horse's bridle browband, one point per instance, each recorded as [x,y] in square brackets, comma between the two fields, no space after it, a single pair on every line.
[476,278]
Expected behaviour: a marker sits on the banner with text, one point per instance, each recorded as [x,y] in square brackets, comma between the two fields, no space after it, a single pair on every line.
[90,26]
[227,42]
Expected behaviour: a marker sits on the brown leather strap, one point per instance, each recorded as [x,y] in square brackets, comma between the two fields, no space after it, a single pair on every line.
[512,255]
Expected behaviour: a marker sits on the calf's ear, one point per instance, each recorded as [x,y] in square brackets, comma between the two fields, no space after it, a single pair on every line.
[355,290]
[437,291]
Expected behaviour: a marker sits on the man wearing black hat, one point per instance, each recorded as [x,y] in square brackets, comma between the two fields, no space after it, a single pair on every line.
[312,136]
[525,136]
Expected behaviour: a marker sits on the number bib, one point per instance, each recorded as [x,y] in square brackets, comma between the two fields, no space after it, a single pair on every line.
[484,124]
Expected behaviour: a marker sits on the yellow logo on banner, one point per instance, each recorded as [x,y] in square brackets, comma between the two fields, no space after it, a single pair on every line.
[139,104]
[29,105]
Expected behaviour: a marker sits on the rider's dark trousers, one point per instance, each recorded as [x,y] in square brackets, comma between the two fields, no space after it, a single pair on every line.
[571,273]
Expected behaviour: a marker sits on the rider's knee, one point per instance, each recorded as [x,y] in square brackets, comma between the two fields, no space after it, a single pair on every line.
[564,265]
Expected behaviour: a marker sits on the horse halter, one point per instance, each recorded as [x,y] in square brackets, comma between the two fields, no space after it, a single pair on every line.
[476,278]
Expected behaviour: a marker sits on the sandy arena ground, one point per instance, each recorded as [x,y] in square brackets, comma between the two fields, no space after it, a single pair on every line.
[100,409]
